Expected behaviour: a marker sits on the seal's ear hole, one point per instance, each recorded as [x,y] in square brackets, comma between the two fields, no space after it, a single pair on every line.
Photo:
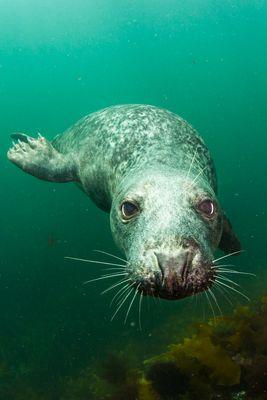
[229,242]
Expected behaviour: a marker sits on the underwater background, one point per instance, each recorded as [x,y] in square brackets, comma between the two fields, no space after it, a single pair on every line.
[60,60]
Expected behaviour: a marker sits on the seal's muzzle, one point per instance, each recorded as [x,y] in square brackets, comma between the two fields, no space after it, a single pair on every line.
[175,275]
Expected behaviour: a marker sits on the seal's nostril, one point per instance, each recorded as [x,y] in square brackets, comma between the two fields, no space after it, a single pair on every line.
[186,244]
[160,265]
[185,267]
[190,243]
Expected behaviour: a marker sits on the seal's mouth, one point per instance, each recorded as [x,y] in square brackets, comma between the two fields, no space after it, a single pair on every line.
[175,277]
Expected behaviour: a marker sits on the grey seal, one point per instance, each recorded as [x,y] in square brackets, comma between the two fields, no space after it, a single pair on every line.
[152,171]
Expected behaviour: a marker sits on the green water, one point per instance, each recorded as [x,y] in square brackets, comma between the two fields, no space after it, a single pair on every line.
[60,60]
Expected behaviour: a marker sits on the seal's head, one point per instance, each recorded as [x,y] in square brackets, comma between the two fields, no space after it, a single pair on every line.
[168,226]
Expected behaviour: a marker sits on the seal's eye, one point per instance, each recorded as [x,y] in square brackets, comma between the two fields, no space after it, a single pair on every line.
[129,210]
[207,208]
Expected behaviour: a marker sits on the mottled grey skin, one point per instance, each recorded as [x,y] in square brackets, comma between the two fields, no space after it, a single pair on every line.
[156,159]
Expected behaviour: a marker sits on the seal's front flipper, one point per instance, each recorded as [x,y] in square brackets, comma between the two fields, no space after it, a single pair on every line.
[229,242]
[39,158]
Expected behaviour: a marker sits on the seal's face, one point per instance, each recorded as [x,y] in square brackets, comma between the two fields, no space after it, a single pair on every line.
[168,227]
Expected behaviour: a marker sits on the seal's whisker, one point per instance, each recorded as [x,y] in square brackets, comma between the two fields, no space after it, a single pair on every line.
[139,310]
[228,280]
[221,265]
[196,302]
[109,254]
[104,277]
[196,178]
[228,255]
[119,293]
[118,273]
[93,261]
[215,300]
[123,292]
[114,269]
[122,302]
[224,293]
[153,297]
[115,285]
[209,302]
[233,271]
[131,303]
[235,290]
[227,291]
[202,307]
[198,175]
[192,162]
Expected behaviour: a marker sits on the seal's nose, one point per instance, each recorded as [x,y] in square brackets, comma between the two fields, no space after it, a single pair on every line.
[174,267]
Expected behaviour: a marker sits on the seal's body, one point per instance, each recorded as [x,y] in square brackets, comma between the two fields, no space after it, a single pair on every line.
[152,171]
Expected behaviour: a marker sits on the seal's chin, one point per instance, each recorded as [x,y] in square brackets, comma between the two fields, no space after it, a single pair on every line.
[175,278]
